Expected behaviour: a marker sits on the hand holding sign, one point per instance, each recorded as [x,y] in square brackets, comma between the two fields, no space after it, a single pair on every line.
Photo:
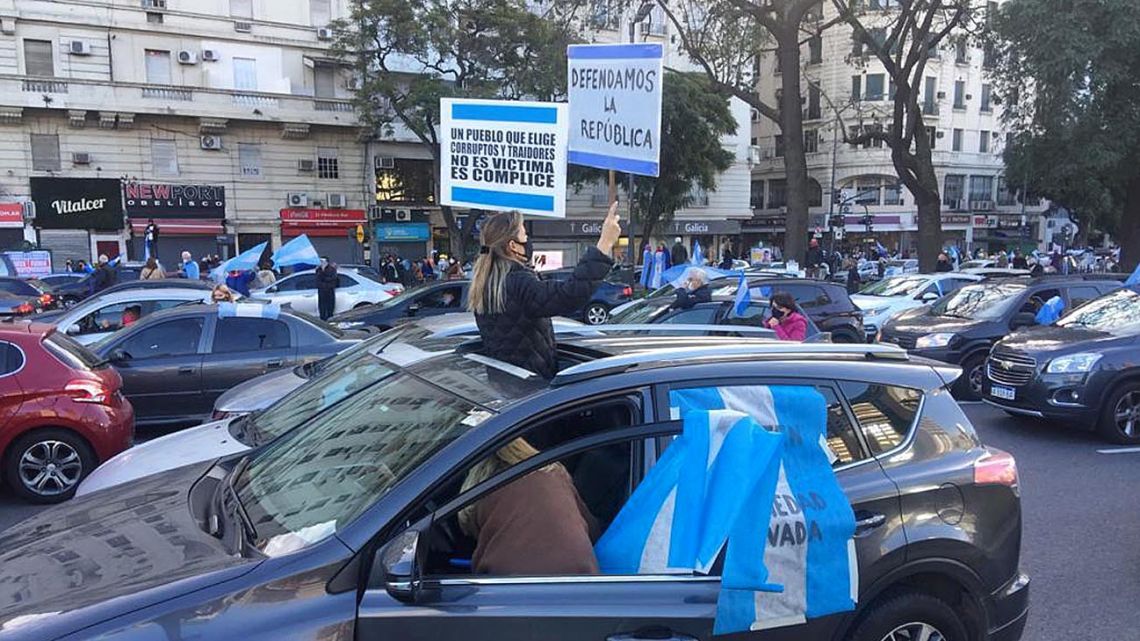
[611,230]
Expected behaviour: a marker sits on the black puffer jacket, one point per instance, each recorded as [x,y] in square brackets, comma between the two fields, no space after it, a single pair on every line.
[523,334]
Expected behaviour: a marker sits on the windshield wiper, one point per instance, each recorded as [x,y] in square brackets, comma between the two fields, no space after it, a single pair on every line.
[227,487]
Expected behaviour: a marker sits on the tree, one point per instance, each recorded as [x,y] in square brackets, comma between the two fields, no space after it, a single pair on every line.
[408,55]
[902,38]
[693,120]
[1070,81]
[726,38]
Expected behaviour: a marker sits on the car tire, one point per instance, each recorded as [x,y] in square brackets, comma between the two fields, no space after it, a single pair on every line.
[69,455]
[969,385]
[891,619]
[67,302]
[1120,416]
[596,314]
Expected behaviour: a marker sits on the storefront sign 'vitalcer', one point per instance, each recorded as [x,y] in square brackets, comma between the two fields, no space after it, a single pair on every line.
[78,203]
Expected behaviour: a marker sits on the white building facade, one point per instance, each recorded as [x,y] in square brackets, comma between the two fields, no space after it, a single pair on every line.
[961,112]
[226,122]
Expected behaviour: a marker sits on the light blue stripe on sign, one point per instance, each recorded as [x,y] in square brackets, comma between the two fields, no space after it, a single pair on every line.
[601,161]
[614,52]
[505,113]
[502,199]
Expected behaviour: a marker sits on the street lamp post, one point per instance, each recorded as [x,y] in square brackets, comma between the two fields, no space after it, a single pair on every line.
[642,13]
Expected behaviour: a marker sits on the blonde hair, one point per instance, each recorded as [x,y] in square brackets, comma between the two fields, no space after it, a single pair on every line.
[223,289]
[508,456]
[494,263]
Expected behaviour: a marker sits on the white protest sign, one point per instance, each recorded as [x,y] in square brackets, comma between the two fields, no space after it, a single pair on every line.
[503,155]
[615,107]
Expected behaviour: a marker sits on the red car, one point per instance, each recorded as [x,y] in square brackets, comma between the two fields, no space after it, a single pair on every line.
[61,412]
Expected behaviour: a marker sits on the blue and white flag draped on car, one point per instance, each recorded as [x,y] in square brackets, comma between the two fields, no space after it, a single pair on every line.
[299,251]
[743,297]
[742,448]
[248,310]
[1134,279]
[1050,311]
[245,261]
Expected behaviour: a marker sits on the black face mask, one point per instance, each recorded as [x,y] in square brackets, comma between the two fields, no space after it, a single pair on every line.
[777,312]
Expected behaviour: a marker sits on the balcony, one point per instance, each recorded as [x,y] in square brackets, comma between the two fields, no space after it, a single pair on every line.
[193,102]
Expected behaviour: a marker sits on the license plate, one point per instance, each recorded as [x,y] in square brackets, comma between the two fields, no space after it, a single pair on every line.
[1006,393]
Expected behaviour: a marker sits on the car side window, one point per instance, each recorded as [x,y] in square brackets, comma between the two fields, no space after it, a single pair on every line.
[1037,300]
[110,318]
[806,296]
[443,298]
[178,337]
[695,316]
[1082,294]
[885,412]
[343,281]
[11,359]
[249,334]
[753,316]
[302,282]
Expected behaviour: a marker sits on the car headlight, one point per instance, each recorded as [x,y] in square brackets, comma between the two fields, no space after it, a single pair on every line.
[349,324]
[1073,363]
[941,339]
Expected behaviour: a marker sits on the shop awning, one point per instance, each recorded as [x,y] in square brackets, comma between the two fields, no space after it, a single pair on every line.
[321,222]
[180,226]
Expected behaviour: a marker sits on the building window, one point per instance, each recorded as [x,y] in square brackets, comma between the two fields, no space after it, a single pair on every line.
[158,67]
[327,164]
[811,141]
[320,12]
[988,56]
[757,195]
[814,193]
[607,14]
[986,98]
[875,143]
[957,140]
[874,87]
[960,51]
[930,97]
[856,88]
[249,157]
[777,193]
[1005,194]
[932,136]
[959,94]
[981,188]
[324,81]
[154,17]
[815,50]
[38,58]
[953,190]
[892,193]
[241,8]
[779,146]
[867,191]
[45,152]
[164,157]
[856,45]
[813,110]
[983,142]
[245,74]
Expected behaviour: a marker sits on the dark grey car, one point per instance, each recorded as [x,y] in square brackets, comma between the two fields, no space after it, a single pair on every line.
[345,528]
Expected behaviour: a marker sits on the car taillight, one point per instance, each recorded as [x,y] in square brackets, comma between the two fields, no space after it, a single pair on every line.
[25,308]
[996,468]
[627,291]
[46,300]
[88,391]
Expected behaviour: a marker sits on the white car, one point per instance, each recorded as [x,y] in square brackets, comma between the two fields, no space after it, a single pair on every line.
[894,294]
[100,316]
[354,289]
[901,267]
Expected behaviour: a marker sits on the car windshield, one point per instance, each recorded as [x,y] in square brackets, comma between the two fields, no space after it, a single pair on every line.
[71,352]
[895,286]
[1119,312]
[979,302]
[316,479]
[396,300]
[336,332]
[641,313]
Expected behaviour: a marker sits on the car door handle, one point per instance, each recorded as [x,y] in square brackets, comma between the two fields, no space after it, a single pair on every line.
[274,363]
[186,370]
[654,633]
[868,521]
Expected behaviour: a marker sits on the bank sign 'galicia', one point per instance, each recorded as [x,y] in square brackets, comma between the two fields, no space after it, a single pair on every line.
[503,155]
[615,106]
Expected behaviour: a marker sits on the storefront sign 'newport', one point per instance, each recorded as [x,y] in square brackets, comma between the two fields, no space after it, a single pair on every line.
[157,200]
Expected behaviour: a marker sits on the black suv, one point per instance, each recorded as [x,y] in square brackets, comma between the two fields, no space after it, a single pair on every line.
[350,525]
[1081,371]
[962,327]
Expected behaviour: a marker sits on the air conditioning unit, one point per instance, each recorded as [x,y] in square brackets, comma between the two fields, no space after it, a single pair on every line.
[80,158]
[403,215]
[243,27]
[187,57]
[212,143]
[306,164]
[297,199]
[335,201]
[153,4]
[981,205]
[29,211]
[324,33]
[941,95]
[79,48]
[385,162]
[211,55]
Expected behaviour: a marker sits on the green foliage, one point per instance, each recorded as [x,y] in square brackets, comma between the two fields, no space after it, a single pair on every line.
[1069,72]
[693,120]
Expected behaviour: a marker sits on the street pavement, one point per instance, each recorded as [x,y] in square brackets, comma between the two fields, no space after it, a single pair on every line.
[1081,526]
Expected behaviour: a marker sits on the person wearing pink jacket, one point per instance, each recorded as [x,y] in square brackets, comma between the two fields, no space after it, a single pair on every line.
[787,321]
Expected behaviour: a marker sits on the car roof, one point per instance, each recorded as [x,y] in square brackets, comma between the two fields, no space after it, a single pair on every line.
[150,293]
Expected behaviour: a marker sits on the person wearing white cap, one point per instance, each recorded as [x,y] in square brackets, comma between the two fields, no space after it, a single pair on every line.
[679,254]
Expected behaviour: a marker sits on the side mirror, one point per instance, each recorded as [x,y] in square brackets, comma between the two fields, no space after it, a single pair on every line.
[72,329]
[1023,319]
[118,356]
[396,565]
[413,309]
[929,297]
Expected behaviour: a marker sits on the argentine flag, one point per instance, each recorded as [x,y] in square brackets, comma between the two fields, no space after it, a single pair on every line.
[1134,279]
[299,251]
[249,310]
[698,255]
[743,297]
[245,261]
